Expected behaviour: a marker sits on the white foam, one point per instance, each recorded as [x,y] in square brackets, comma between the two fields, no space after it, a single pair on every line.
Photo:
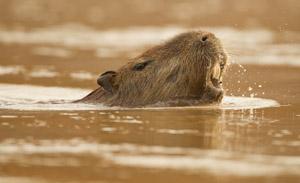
[25,93]
[229,102]
[29,97]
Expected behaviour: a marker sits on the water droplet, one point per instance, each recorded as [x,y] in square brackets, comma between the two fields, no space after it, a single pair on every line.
[250,89]
[259,86]
[239,81]
[242,67]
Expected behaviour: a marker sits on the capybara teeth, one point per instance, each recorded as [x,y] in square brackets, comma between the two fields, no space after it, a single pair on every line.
[216,71]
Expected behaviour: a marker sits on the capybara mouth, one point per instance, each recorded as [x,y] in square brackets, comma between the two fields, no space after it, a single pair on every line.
[186,68]
[217,71]
[215,76]
[214,91]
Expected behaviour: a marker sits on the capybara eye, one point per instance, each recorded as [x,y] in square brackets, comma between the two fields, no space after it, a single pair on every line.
[204,38]
[142,65]
[139,66]
[108,72]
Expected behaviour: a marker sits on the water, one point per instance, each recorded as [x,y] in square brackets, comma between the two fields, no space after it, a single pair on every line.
[252,136]
[190,142]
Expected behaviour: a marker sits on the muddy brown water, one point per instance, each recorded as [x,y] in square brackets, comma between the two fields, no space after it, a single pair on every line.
[254,136]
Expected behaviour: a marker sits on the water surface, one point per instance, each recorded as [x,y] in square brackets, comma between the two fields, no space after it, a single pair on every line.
[253,135]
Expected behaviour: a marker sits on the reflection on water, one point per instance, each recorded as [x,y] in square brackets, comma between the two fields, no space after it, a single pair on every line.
[120,42]
[15,69]
[53,52]
[238,143]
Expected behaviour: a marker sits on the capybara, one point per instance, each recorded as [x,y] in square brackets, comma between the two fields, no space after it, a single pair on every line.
[184,70]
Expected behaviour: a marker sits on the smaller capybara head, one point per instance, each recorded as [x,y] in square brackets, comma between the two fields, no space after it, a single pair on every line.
[186,70]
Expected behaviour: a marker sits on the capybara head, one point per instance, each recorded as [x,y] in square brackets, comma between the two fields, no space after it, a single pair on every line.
[185,70]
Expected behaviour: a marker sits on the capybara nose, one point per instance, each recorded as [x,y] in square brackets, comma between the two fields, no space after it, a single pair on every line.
[204,38]
[99,81]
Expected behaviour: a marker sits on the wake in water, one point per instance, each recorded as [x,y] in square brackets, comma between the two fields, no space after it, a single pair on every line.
[20,97]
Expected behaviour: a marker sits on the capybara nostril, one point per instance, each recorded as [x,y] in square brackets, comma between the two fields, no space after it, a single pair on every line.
[204,38]
[98,81]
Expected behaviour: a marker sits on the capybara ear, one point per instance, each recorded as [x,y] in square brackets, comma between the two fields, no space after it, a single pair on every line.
[106,80]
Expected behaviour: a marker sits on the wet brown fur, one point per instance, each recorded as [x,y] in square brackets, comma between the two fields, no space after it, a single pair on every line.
[179,70]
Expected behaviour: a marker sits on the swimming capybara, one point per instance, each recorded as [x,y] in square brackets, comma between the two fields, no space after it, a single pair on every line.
[185,70]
